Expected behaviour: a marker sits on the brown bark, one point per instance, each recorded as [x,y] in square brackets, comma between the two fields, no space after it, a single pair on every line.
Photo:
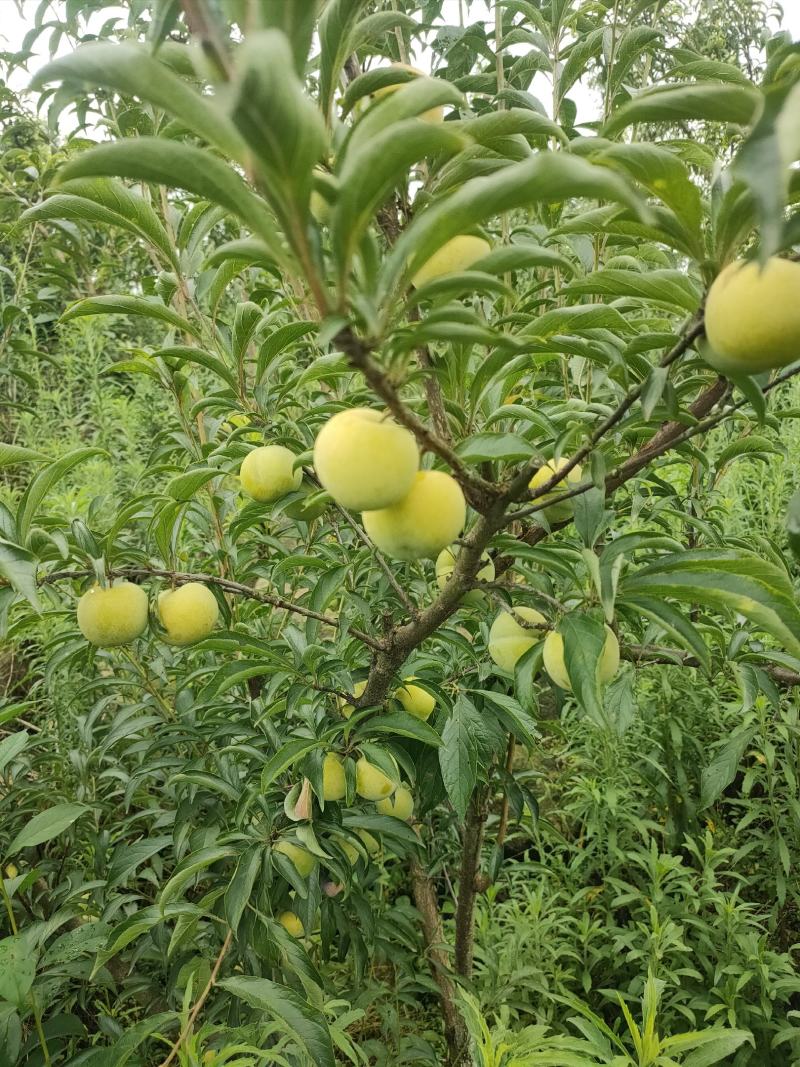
[428,906]
[467,882]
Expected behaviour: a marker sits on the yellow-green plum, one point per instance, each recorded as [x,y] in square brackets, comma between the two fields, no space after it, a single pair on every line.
[563,509]
[445,565]
[456,255]
[188,614]
[291,923]
[301,858]
[333,780]
[371,782]
[350,850]
[115,615]
[434,114]
[267,473]
[508,640]
[365,460]
[752,317]
[553,658]
[401,805]
[371,844]
[423,522]
[416,700]
[348,709]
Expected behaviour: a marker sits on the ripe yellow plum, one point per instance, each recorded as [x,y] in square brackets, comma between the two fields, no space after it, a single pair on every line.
[401,805]
[562,510]
[553,658]
[301,858]
[423,522]
[365,460]
[348,709]
[371,782]
[291,923]
[508,640]
[267,473]
[752,317]
[456,255]
[113,616]
[333,780]
[188,614]
[416,700]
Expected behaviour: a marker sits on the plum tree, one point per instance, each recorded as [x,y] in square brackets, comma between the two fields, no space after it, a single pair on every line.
[445,565]
[188,614]
[115,615]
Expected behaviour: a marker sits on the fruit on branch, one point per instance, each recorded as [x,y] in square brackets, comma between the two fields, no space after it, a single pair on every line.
[350,850]
[434,114]
[509,640]
[553,658]
[333,780]
[562,510]
[445,565]
[365,460]
[752,317]
[291,924]
[348,709]
[416,700]
[423,522]
[188,614]
[455,255]
[301,858]
[113,616]
[267,473]
[401,805]
[371,782]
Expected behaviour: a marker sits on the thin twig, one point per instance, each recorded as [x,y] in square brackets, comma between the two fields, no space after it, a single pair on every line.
[226,944]
[236,588]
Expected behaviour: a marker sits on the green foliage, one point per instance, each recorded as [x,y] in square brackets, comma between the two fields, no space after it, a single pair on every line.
[233,265]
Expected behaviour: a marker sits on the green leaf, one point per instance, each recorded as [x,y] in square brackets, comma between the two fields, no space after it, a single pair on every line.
[122,1050]
[241,885]
[793,524]
[512,715]
[45,826]
[184,486]
[458,756]
[684,102]
[522,254]
[11,454]
[584,639]
[277,119]
[129,69]
[719,774]
[189,868]
[11,746]
[404,724]
[670,288]
[296,20]
[150,307]
[494,446]
[336,28]
[128,856]
[44,481]
[710,1047]
[17,969]
[106,202]
[739,581]
[180,166]
[306,1024]
[573,320]
[675,623]
[549,177]
[19,566]
[372,169]
[285,757]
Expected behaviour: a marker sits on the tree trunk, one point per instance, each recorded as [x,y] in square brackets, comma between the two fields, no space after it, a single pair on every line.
[467,882]
[455,1033]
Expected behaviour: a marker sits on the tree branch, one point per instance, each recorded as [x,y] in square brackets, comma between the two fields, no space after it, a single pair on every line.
[236,588]
[467,880]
